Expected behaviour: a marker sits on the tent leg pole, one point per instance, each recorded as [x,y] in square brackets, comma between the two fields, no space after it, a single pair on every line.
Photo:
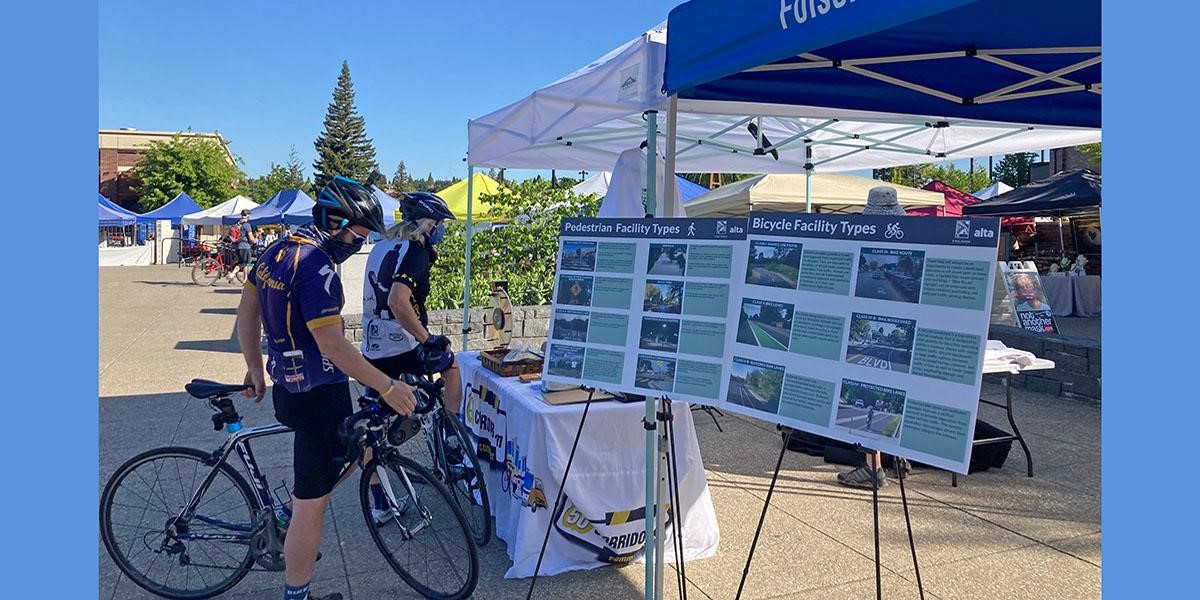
[808,171]
[466,327]
[660,512]
[669,183]
[650,422]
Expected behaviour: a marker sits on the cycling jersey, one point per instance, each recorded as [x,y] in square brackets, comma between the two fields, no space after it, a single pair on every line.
[393,261]
[298,291]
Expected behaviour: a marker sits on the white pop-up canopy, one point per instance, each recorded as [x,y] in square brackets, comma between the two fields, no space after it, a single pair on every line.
[785,192]
[212,216]
[586,119]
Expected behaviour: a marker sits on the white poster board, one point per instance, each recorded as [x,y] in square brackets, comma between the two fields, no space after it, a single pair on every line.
[642,305]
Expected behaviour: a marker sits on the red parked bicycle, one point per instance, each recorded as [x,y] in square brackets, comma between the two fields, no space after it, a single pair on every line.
[220,263]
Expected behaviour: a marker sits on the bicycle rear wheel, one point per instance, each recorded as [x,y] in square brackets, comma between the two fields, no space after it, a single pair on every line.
[466,481]
[206,271]
[138,523]
[428,544]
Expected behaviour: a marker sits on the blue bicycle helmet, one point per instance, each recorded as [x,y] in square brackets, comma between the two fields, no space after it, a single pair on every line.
[347,201]
[424,205]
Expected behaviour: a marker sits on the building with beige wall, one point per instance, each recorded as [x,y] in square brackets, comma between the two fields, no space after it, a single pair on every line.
[122,149]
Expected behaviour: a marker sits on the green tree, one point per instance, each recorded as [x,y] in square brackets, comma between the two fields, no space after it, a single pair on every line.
[918,176]
[295,173]
[1091,152]
[1013,169]
[279,177]
[343,148]
[401,180]
[197,166]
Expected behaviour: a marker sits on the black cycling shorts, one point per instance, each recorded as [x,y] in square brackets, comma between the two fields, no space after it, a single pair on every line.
[316,448]
[396,366]
[243,255]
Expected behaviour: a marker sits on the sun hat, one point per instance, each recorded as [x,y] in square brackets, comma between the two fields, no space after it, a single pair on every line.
[881,200]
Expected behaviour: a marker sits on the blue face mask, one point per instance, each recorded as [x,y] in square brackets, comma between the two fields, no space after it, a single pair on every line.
[437,234]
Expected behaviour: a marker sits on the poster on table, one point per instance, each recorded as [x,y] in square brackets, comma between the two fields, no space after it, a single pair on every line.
[866,329]
[642,305]
[1023,299]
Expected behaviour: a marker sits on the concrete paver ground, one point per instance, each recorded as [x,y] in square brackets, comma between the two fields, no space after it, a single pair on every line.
[998,534]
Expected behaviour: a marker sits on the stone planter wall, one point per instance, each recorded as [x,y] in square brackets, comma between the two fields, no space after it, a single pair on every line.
[1077,362]
[530,325]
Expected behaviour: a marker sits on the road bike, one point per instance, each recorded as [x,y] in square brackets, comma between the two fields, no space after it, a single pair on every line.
[220,263]
[454,461]
[185,523]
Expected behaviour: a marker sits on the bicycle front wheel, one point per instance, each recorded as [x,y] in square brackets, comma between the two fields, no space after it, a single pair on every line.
[426,540]
[199,557]
[206,271]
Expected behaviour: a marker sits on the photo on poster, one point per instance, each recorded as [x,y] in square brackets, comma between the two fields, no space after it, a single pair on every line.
[1026,292]
[655,373]
[575,290]
[765,323]
[659,334]
[569,326]
[890,274]
[579,256]
[774,264]
[880,342]
[667,259]
[866,408]
[755,384]
[663,296]
[565,361]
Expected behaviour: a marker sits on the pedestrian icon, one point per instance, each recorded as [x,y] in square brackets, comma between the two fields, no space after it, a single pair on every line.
[691,230]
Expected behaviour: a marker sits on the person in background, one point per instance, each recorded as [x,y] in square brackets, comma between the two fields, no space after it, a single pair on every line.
[245,241]
[881,200]
[295,295]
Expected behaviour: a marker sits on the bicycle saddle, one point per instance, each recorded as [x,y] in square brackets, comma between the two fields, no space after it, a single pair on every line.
[204,388]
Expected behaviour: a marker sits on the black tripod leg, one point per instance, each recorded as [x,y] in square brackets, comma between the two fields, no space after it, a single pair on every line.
[907,523]
[763,516]
[673,483]
[554,515]
[875,507]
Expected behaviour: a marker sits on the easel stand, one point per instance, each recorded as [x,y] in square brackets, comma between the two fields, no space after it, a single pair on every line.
[668,479]
[875,513]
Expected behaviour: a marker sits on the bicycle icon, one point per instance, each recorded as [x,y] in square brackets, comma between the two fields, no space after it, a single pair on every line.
[894,232]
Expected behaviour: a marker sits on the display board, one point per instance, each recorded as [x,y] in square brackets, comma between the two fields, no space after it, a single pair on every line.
[867,329]
[1021,299]
[642,305]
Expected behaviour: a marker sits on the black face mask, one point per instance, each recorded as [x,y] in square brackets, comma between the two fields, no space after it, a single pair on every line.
[333,246]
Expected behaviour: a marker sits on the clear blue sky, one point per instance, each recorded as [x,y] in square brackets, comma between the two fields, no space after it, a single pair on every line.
[262,73]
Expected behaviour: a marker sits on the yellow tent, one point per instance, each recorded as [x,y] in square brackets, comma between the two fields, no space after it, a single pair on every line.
[456,197]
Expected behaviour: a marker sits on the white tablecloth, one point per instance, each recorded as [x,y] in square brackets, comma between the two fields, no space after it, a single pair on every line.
[1086,290]
[1060,294]
[604,506]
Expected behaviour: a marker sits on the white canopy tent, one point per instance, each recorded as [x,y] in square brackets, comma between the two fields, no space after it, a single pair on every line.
[586,119]
[212,216]
[596,184]
[829,192]
[993,190]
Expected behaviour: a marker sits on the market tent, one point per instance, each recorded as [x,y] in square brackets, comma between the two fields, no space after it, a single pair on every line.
[993,190]
[947,58]
[830,192]
[598,184]
[111,218]
[212,216]
[1063,193]
[390,206]
[299,210]
[272,211]
[456,196]
[955,200]
[117,208]
[586,119]
[172,211]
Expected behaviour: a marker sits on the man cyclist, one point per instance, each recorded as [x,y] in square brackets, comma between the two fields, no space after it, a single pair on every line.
[296,296]
[244,241]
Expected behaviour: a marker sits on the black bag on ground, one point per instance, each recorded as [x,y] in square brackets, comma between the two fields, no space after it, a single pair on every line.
[990,456]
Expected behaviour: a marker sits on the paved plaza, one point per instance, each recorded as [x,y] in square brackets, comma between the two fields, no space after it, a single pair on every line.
[998,534]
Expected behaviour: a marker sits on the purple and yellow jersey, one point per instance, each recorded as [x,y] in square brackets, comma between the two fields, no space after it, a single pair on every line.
[298,291]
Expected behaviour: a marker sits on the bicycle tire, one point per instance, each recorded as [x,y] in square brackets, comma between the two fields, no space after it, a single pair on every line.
[205,272]
[441,500]
[477,510]
[123,560]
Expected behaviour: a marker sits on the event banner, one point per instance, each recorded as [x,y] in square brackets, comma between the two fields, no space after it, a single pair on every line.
[642,305]
[866,329]
[1022,299]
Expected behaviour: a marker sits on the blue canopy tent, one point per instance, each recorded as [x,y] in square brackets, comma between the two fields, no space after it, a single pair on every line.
[172,211]
[689,189]
[293,207]
[105,202]
[110,217]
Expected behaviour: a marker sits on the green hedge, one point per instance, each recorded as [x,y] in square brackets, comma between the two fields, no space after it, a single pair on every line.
[522,252]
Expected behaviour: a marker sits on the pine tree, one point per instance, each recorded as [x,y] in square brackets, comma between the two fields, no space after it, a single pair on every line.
[401,180]
[295,171]
[343,148]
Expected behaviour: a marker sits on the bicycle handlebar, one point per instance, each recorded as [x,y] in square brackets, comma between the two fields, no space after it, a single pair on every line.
[353,432]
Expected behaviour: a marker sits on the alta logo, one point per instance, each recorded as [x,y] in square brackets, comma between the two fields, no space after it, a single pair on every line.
[962,229]
[985,233]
